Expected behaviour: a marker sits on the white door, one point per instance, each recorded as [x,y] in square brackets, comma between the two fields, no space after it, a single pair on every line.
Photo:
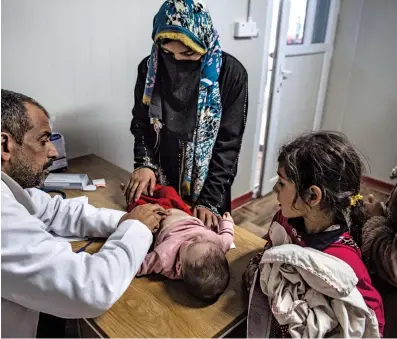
[306,32]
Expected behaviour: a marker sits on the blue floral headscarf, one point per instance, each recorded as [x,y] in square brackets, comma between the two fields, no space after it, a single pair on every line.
[189,22]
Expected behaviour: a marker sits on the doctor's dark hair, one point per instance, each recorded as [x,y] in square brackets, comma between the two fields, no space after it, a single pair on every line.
[14,118]
[208,277]
[327,160]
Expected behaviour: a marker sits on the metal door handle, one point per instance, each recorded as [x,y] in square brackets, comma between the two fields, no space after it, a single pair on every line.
[285,73]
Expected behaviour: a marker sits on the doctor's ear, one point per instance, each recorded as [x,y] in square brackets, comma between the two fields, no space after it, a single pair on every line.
[5,146]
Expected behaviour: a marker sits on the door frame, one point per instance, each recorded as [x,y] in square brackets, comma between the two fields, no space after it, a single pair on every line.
[261,102]
[267,180]
[275,87]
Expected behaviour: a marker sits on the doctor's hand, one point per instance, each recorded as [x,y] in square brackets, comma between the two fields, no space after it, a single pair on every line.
[207,217]
[143,180]
[151,215]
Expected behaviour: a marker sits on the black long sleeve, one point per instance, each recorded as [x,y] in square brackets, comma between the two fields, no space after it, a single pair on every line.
[223,165]
[140,125]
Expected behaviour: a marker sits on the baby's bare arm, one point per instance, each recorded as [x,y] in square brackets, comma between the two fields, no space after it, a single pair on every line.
[226,231]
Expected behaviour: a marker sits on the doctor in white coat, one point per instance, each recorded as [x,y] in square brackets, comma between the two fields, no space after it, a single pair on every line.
[38,273]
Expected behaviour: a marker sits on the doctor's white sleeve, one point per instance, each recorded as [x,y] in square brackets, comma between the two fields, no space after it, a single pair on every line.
[73,218]
[45,275]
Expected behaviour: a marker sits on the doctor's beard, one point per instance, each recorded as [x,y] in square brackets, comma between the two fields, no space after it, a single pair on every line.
[26,172]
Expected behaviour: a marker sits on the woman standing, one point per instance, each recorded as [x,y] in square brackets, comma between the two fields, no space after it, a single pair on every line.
[191,102]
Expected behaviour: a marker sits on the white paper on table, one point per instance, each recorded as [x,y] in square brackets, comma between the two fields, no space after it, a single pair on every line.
[99,182]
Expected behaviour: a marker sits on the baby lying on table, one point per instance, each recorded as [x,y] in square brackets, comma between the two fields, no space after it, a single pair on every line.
[185,249]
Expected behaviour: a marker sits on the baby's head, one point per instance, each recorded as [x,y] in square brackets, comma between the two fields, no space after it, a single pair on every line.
[205,270]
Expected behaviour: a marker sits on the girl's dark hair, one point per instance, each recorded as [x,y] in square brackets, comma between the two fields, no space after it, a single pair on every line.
[327,160]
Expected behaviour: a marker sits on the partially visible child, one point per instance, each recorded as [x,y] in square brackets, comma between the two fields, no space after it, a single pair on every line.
[380,236]
[320,205]
[185,249]
[379,247]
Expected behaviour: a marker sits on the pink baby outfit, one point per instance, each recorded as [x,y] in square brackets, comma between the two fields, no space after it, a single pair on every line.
[164,259]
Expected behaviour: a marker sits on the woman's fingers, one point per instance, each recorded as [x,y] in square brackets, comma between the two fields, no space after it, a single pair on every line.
[138,192]
[139,183]
[131,193]
[215,223]
[208,219]
[128,190]
[202,216]
[152,185]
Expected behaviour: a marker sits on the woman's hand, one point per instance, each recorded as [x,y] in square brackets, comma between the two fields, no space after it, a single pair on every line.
[209,219]
[143,180]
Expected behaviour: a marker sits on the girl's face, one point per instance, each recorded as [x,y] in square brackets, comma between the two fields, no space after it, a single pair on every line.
[286,192]
[180,51]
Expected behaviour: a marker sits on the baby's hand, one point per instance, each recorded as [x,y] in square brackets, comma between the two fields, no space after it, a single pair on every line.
[227,217]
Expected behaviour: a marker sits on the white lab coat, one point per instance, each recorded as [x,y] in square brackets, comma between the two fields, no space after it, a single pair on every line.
[41,274]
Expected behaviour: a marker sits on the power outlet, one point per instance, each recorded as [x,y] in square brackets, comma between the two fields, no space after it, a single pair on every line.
[245,29]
